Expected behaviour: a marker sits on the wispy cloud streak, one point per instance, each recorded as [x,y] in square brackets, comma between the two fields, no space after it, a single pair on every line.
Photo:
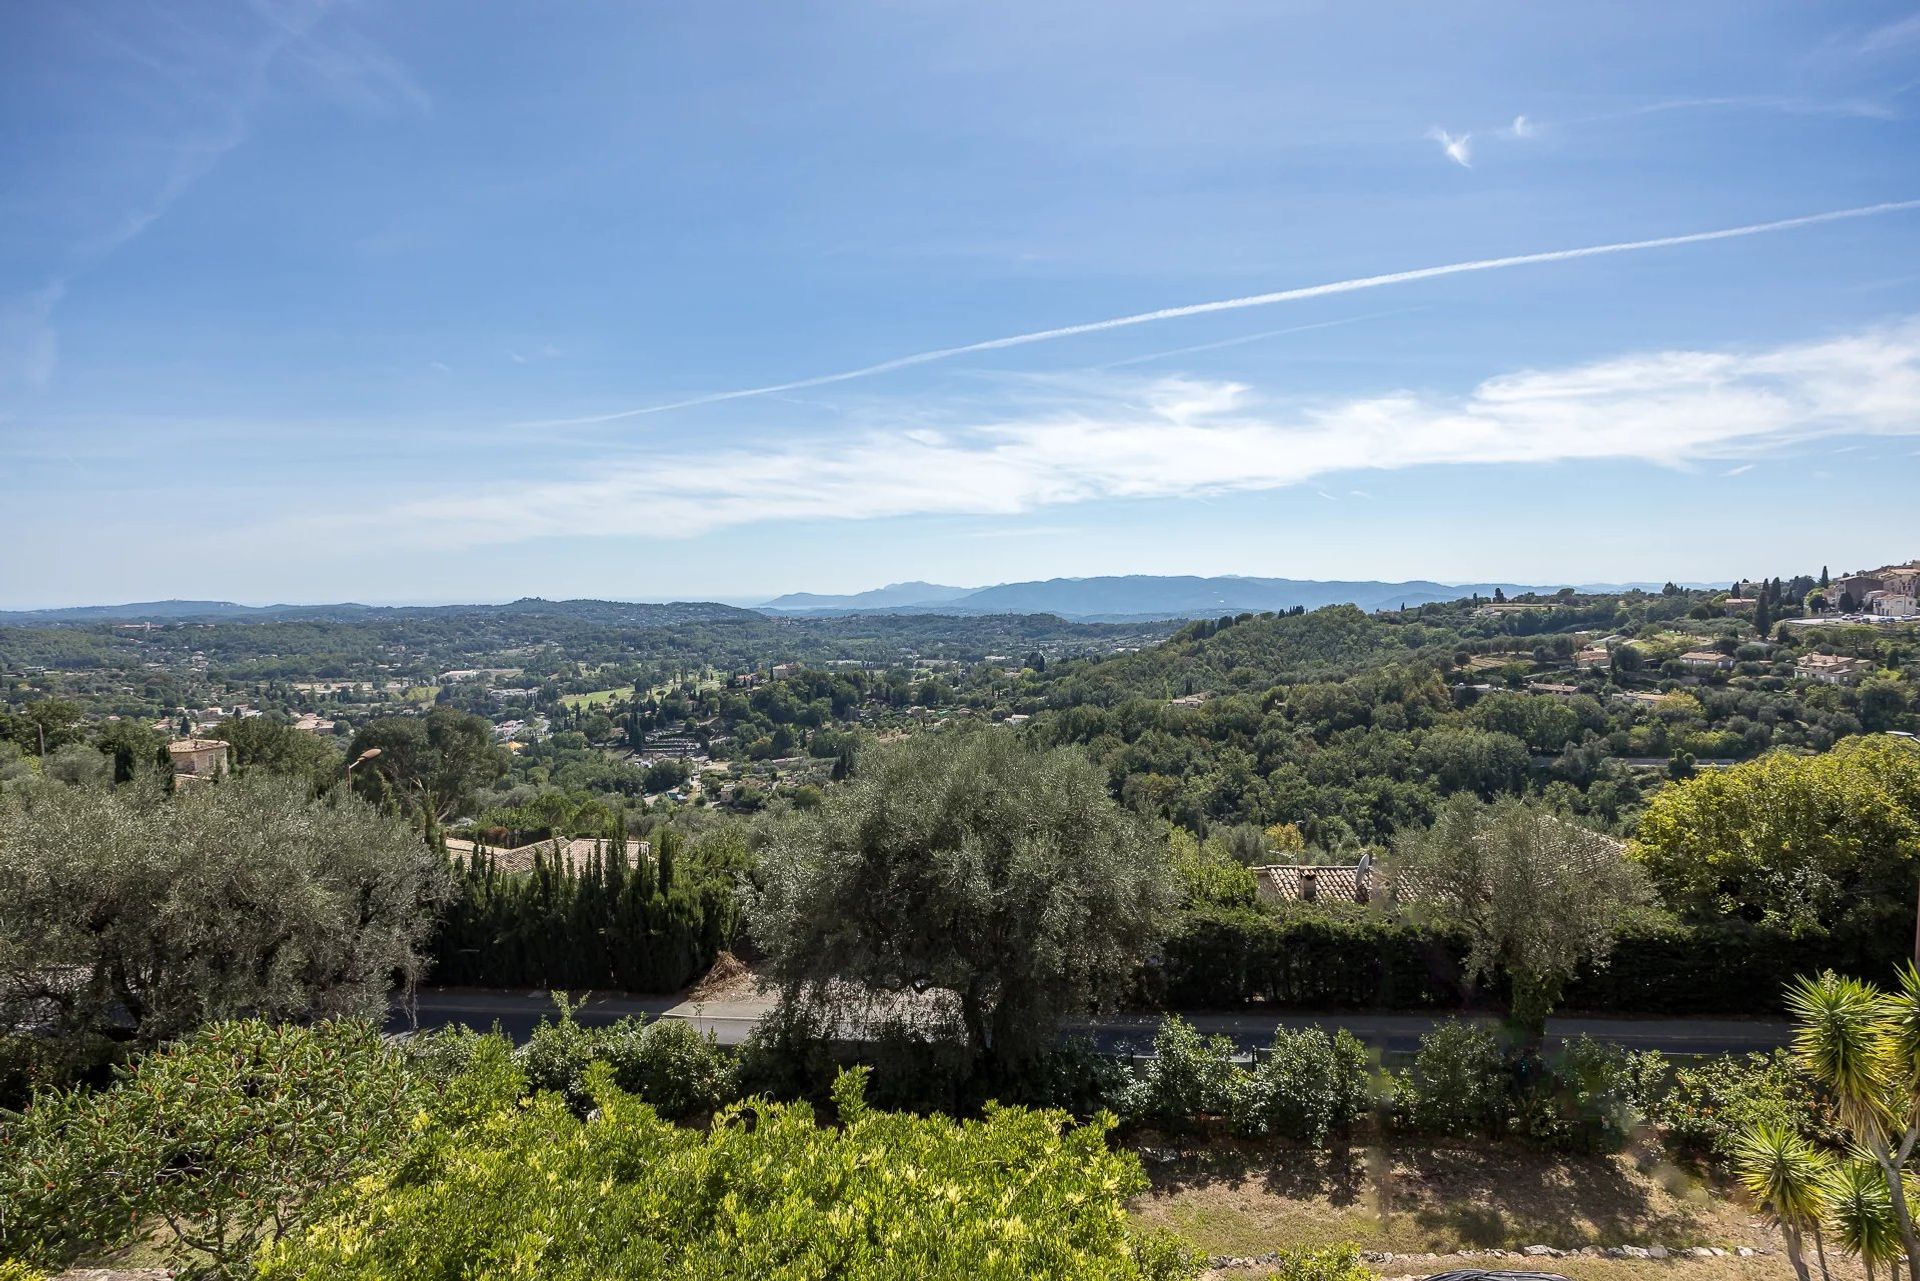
[1329,289]
[1179,438]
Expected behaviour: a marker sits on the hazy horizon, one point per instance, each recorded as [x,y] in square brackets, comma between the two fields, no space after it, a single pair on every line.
[753,600]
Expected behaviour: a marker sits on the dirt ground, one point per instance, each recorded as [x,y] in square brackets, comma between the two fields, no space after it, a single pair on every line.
[1435,1204]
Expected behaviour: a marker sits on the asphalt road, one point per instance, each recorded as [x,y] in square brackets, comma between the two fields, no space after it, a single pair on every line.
[517,1013]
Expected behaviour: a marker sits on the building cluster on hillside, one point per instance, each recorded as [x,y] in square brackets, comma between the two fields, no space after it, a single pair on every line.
[1832,669]
[1892,591]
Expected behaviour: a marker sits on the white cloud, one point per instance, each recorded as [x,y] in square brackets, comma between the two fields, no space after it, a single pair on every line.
[1523,128]
[1181,438]
[1458,147]
[1741,470]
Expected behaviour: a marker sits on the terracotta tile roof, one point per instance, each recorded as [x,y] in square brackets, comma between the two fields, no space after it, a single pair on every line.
[577,852]
[1288,883]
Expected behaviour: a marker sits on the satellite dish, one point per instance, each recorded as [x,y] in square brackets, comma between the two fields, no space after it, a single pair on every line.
[1366,862]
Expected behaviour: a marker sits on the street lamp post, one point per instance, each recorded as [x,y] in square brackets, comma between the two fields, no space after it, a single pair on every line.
[357,761]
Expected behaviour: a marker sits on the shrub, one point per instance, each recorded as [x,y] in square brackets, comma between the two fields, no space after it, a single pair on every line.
[682,1071]
[1309,1087]
[1459,1083]
[918,1070]
[1074,1077]
[558,1053]
[13,1270]
[224,1137]
[789,1053]
[1189,1077]
[1583,1101]
[1335,1263]
[436,1057]
[1706,1107]
[765,1191]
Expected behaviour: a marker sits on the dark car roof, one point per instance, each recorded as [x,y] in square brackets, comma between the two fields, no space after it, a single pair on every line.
[1480,1274]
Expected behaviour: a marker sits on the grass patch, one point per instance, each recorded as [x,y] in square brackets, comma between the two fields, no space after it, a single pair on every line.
[596,698]
[1241,1200]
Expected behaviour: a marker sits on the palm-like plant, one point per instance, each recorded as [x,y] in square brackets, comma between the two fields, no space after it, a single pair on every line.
[1789,1177]
[1863,1044]
[1860,1212]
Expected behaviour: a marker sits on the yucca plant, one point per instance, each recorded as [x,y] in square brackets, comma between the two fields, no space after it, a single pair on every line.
[1789,1177]
[1863,1044]
[1860,1213]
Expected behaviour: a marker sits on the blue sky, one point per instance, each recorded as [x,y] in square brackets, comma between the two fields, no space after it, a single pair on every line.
[384,301]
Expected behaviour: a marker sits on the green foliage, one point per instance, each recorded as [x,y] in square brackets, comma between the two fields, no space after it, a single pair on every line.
[1209,875]
[1334,1263]
[1584,1100]
[1306,959]
[1789,1177]
[428,766]
[224,1138]
[1798,840]
[1003,877]
[1708,1105]
[272,745]
[670,1064]
[1459,1083]
[535,1191]
[652,924]
[248,896]
[680,1070]
[1309,1087]
[1536,895]
[1189,1078]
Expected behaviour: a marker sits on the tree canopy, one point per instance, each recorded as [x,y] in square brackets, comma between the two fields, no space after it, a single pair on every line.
[1537,894]
[1797,840]
[1002,877]
[428,765]
[124,910]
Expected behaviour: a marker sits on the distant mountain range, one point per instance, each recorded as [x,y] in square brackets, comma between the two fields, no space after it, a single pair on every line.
[1144,596]
[892,596]
[1126,598]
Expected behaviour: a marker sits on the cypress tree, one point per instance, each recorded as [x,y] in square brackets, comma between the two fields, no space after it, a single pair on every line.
[667,852]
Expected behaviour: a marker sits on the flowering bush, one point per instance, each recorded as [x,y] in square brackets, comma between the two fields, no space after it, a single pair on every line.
[223,1138]
[1705,1108]
[535,1191]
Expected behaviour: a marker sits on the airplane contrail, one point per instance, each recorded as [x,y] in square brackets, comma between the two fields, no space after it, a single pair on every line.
[1243,339]
[1251,300]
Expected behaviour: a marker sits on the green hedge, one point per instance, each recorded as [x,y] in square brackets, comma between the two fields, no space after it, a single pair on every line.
[1323,960]
[1223,958]
[1729,967]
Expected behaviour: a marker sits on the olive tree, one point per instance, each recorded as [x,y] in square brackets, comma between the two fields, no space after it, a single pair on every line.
[1002,880]
[126,912]
[1537,895]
